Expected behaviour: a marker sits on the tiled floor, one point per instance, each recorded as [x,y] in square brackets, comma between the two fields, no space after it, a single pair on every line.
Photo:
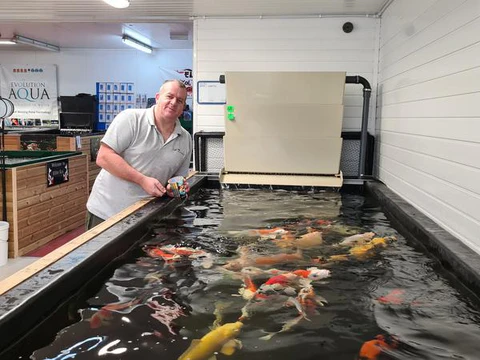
[14,265]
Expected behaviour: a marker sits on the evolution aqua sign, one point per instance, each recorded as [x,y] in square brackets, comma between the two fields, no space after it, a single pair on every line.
[32,89]
[57,172]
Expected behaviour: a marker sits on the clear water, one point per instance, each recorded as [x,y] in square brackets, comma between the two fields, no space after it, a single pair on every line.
[430,316]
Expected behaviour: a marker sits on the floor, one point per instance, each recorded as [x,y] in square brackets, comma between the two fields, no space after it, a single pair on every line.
[14,265]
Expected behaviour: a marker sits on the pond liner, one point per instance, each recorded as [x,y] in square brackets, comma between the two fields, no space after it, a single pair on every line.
[32,302]
[459,259]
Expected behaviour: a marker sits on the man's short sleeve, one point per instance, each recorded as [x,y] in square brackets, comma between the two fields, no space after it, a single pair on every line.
[120,133]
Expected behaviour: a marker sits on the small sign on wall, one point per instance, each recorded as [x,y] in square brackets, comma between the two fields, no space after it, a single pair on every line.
[211,93]
[57,172]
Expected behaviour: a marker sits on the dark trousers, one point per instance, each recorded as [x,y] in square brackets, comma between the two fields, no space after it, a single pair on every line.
[92,220]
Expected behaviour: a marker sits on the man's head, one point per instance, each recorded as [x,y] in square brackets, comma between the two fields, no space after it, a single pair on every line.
[170,100]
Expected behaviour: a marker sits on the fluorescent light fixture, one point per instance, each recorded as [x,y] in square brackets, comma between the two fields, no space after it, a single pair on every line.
[119,4]
[7,42]
[37,43]
[136,44]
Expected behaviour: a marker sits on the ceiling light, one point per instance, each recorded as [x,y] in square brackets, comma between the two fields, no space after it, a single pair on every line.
[137,44]
[39,44]
[6,42]
[119,4]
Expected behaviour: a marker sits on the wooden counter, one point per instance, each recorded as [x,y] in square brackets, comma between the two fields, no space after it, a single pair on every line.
[38,213]
[88,145]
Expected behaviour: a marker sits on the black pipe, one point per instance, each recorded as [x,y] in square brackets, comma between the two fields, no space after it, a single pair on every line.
[367,90]
[196,147]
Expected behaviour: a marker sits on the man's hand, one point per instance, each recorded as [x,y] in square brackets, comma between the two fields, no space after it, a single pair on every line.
[152,186]
[185,184]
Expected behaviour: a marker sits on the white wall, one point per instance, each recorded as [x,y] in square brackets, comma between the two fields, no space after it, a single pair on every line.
[428,116]
[79,70]
[309,44]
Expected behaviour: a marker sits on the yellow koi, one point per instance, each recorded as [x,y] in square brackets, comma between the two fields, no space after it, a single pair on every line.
[221,339]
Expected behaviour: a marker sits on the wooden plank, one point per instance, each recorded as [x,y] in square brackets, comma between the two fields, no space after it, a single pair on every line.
[44,236]
[34,217]
[48,225]
[42,189]
[67,228]
[59,253]
[66,143]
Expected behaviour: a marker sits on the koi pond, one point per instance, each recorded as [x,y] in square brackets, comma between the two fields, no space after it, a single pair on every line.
[261,274]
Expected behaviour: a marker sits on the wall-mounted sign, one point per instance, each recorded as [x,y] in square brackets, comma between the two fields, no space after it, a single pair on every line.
[33,91]
[211,93]
[57,172]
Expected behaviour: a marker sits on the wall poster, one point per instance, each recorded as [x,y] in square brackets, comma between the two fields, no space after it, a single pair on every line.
[184,75]
[33,91]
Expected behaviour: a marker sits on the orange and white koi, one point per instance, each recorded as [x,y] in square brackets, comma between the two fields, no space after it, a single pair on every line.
[171,253]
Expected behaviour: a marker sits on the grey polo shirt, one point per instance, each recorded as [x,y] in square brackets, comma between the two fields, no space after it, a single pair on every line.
[134,136]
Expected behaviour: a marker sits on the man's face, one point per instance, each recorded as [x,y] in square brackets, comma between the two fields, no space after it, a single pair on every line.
[170,101]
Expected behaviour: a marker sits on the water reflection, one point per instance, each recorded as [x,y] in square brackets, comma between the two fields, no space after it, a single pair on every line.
[309,275]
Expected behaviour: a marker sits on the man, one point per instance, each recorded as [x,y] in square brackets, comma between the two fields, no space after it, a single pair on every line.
[140,151]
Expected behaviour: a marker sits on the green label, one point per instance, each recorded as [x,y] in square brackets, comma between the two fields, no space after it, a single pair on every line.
[231,117]
[230,108]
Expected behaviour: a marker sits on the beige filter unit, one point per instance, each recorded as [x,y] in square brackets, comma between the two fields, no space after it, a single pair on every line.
[283,128]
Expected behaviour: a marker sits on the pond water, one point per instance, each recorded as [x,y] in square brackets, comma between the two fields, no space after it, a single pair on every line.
[210,263]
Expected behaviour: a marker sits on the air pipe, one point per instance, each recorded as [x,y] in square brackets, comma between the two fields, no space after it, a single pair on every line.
[367,90]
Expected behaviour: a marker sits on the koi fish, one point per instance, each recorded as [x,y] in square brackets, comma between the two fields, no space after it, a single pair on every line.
[261,233]
[371,349]
[359,252]
[171,253]
[394,297]
[309,300]
[249,289]
[277,259]
[357,239]
[306,241]
[105,314]
[286,327]
[221,339]
[313,273]
[247,259]
[252,271]
[158,253]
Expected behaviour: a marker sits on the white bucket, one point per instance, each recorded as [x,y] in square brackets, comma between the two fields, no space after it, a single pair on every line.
[3,242]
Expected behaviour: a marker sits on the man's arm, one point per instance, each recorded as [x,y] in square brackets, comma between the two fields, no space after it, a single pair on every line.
[109,160]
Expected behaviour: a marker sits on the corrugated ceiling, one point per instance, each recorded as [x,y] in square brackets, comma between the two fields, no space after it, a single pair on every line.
[158,10]
[95,24]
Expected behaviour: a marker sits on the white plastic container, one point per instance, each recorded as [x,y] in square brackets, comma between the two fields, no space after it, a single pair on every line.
[3,242]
